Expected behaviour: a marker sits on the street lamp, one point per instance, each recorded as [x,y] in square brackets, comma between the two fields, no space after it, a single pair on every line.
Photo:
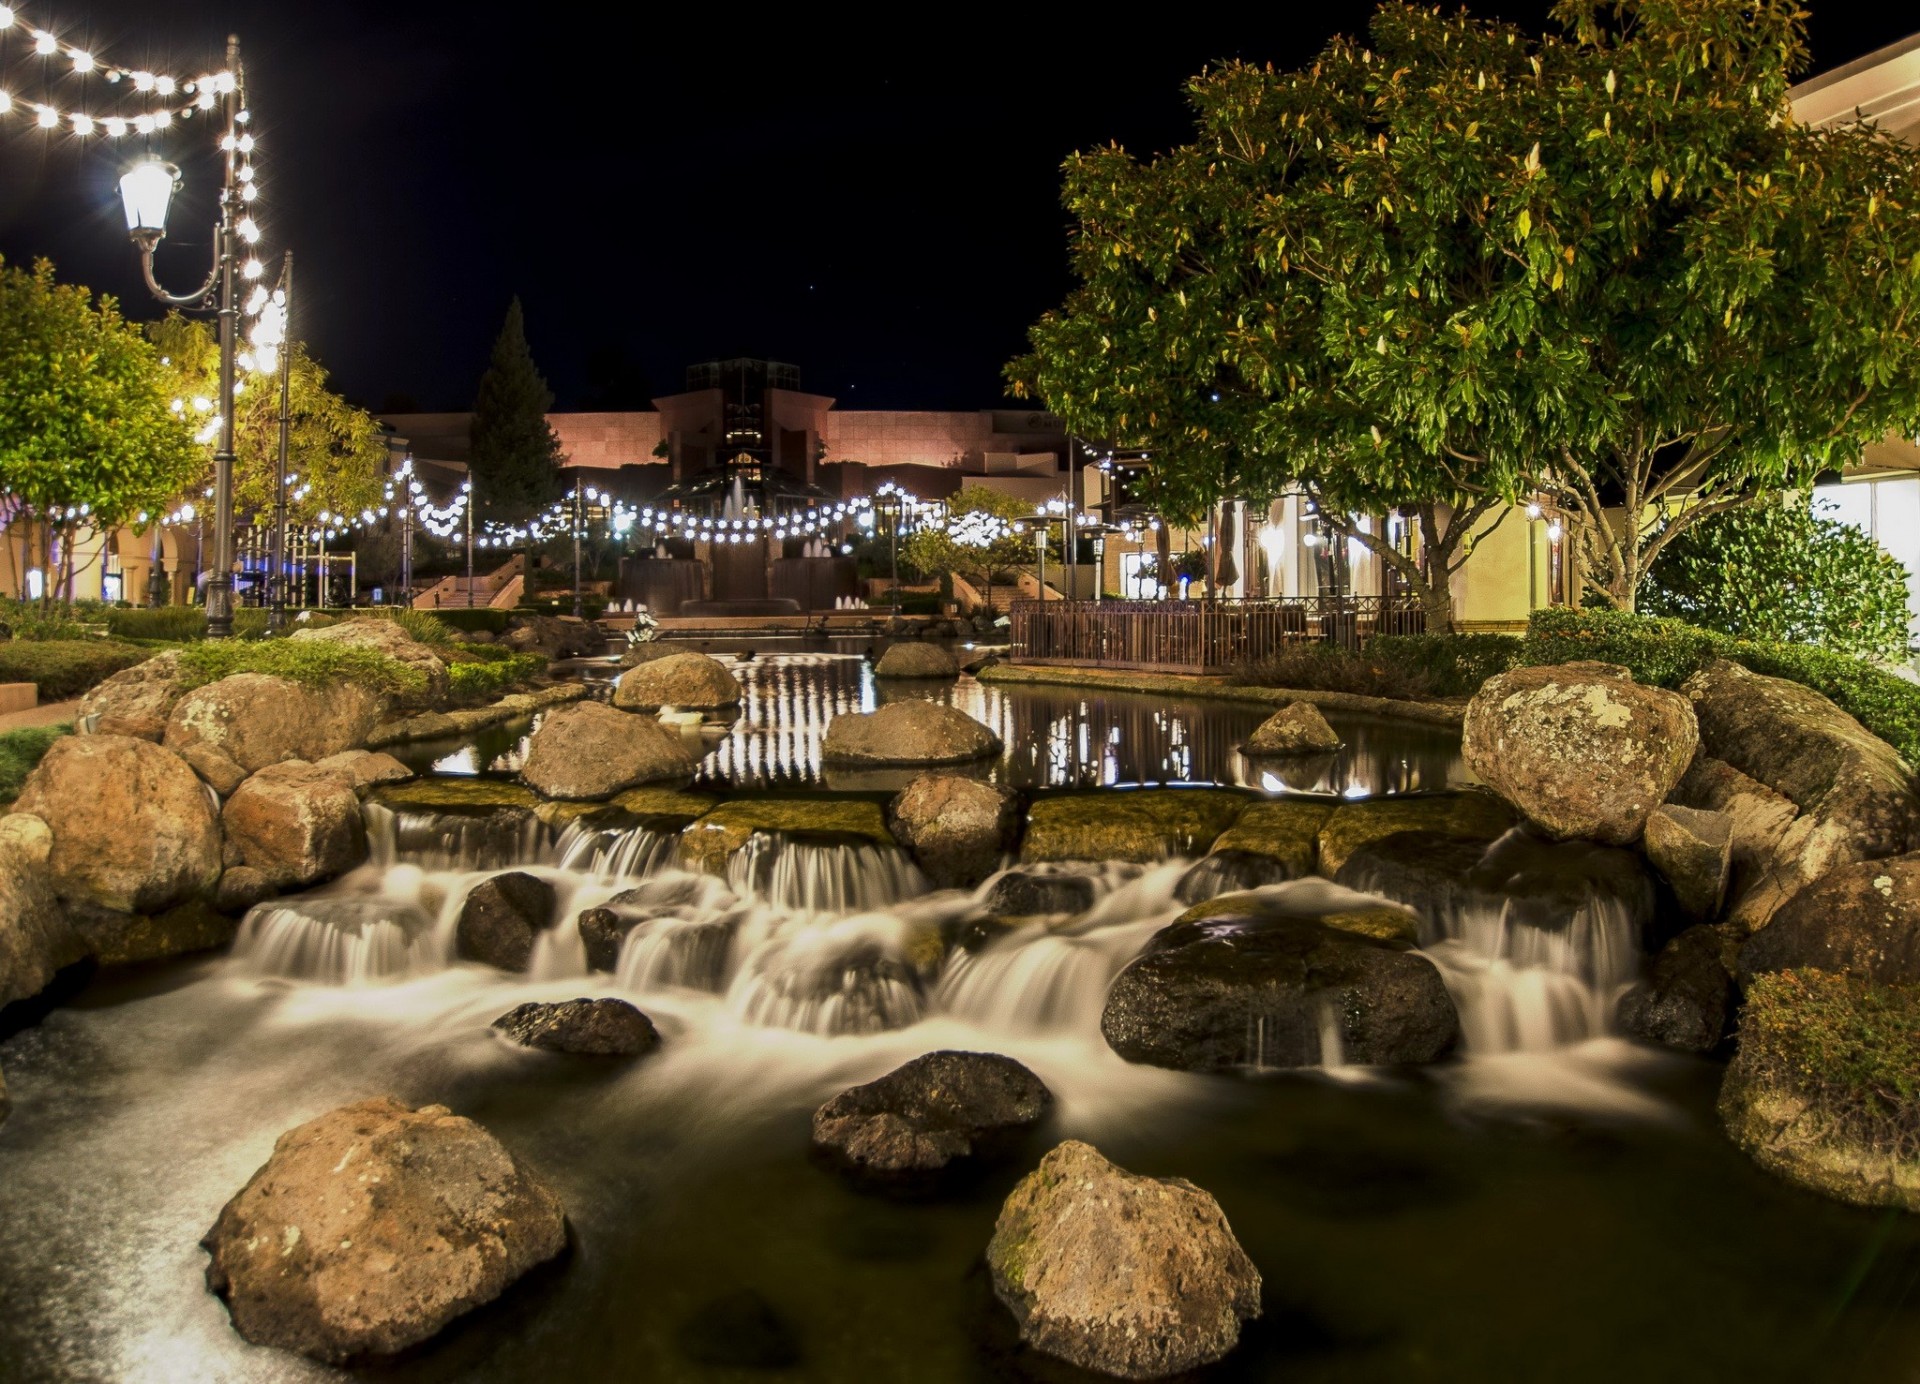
[146,191]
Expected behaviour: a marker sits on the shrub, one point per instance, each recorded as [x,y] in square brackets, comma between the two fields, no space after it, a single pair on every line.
[1887,705]
[20,750]
[177,623]
[1311,666]
[1452,665]
[28,621]
[488,679]
[1782,571]
[1851,1049]
[316,665]
[63,668]
[471,618]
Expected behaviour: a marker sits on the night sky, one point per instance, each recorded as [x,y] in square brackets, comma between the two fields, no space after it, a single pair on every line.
[877,205]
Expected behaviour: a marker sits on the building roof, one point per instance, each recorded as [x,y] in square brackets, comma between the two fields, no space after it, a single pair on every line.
[1883,87]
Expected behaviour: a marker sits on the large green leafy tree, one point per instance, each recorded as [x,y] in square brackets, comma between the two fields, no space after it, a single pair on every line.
[1783,570]
[87,439]
[515,456]
[1461,263]
[336,452]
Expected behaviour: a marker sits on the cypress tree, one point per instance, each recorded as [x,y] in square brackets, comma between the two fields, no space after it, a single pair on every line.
[515,457]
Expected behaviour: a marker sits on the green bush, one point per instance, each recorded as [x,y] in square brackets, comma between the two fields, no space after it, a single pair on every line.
[920,602]
[1452,665]
[183,624]
[28,621]
[20,750]
[489,679]
[1664,653]
[316,665]
[471,618]
[1850,1049]
[1781,571]
[1311,666]
[63,668]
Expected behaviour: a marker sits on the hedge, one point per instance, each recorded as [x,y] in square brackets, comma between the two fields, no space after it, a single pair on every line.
[1402,666]
[63,668]
[1452,665]
[20,750]
[472,618]
[1665,653]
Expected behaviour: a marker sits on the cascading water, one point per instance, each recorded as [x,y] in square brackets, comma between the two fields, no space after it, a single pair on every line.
[496,840]
[822,877]
[338,941]
[615,852]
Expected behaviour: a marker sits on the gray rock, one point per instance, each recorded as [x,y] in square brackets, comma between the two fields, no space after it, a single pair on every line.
[957,829]
[686,681]
[1860,920]
[217,771]
[501,918]
[296,823]
[1693,850]
[1579,748]
[372,1227]
[241,887]
[592,1027]
[937,1108]
[1854,792]
[256,720]
[589,751]
[1757,819]
[1136,1277]
[1296,728]
[916,661]
[910,732]
[1688,999]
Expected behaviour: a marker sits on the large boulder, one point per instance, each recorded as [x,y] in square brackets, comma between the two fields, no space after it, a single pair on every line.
[916,660]
[686,681]
[1296,728]
[1757,819]
[1133,824]
[1861,919]
[957,829]
[367,770]
[1135,1277]
[1688,999]
[1820,1091]
[255,719]
[133,828]
[1580,748]
[1693,850]
[137,701]
[590,751]
[501,918]
[296,824]
[938,1108]
[35,938]
[372,1227]
[1855,794]
[385,636]
[1255,981]
[911,732]
[593,1027]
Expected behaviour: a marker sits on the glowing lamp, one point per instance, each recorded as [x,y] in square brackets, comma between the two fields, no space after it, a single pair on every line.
[146,190]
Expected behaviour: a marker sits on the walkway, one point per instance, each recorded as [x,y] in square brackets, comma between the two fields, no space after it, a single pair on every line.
[47,714]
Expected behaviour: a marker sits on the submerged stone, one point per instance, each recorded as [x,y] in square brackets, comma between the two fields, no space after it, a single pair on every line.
[937,1108]
[1145,825]
[1471,815]
[595,1027]
[712,840]
[739,1330]
[1136,1277]
[454,795]
[1281,829]
[1032,893]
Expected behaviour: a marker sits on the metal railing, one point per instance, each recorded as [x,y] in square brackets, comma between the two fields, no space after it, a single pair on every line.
[1198,636]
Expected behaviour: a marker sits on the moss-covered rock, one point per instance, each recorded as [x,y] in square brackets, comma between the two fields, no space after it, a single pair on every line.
[1825,1088]
[1384,923]
[1470,815]
[1283,829]
[709,842]
[1129,824]
[455,795]
[664,802]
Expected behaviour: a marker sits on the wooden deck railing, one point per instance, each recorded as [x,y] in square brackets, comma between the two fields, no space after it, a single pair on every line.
[1197,636]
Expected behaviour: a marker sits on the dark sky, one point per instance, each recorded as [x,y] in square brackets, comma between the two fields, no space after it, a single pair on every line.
[876,204]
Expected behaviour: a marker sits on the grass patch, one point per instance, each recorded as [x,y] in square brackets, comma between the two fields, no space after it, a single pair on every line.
[20,750]
[421,626]
[63,668]
[486,679]
[1851,1048]
[312,664]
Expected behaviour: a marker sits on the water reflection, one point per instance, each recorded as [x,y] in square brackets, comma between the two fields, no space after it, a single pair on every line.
[1055,738]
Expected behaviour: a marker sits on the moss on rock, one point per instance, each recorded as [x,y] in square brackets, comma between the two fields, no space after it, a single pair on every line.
[1283,829]
[455,795]
[710,841]
[1129,824]
[1825,1088]
[1384,923]
[1470,815]
[664,802]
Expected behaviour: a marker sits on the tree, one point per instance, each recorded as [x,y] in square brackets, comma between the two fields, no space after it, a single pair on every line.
[1783,571]
[515,456]
[977,540]
[336,453]
[86,436]
[1461,263]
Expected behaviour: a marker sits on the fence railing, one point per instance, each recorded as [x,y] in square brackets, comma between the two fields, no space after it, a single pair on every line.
[1198,636]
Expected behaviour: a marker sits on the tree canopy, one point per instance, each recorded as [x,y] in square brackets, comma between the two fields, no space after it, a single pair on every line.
[335,452]
[1460,264]
[515,457]
[84,417]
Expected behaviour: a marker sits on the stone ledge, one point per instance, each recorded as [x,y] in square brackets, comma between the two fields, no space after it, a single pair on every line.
[433,725]
[1217,689]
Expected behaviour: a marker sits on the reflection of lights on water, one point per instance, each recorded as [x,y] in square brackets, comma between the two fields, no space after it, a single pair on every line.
[1354,790]
[465,762]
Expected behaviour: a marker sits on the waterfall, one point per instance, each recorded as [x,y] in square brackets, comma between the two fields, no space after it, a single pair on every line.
[823,877]
[610,852]
[827,975]
[1536,942]
[338,941]
[494,840]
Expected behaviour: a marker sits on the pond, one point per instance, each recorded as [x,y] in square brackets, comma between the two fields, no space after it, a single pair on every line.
[1558,1206]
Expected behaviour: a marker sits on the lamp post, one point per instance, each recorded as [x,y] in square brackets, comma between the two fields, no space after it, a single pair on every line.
[146,191]
[277,583]
[577,607]
[466,488]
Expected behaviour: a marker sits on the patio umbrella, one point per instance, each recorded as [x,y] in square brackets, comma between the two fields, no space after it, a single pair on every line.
[1225,570]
